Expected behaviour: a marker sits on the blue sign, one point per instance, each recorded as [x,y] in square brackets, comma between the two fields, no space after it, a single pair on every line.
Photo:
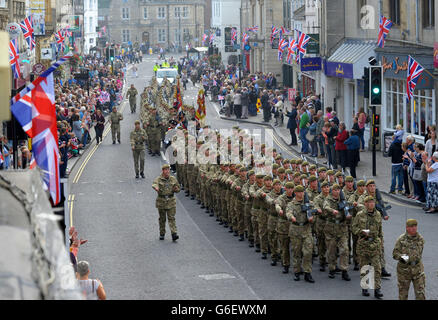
[338,69]
[311,64]
[247,47]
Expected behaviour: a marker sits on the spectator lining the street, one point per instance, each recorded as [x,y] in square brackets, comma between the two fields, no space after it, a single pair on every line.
[91,288]
[432,184]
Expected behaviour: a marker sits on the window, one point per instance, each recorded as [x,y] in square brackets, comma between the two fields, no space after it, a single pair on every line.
[91,40]
[228,45]
[394,11]
[125,13]
[177,36]
[177,12]
[90,26]
[161,12]
[161,35]
[185,13]
[428,13]
[145,13]
[126,36]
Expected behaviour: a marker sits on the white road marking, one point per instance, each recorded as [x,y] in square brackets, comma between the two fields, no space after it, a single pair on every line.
[119,193]
[100,193]
[139,192]
[217,276]
[81,194]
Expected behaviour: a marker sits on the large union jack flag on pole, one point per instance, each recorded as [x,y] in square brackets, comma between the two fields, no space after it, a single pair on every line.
[60,37]
[212,36]
[302,42]
[34,108]
[274,32]
[253,29]
[13,58]
[281,46]
[384,26]
[233,36]
[414,72]
[26,27]
[204,38]
[291,50]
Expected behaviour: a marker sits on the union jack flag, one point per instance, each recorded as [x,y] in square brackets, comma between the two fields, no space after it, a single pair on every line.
[414,72]
[60,40]
[13,58]
[1,157]
[34,108]
[26,27]
[291,50]
[274,32]
[204,37]
[281,46]
[66,32]
[384,27]
[245,37]
[282,31]
[302,42]
[233,36]
[212,36]
[253,29]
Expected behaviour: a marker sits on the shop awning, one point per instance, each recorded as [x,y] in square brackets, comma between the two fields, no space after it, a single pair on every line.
[350,58]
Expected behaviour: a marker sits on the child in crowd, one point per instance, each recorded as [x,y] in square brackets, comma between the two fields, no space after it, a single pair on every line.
[399,133]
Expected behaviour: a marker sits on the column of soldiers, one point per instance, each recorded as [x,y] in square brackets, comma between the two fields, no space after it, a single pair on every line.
[293,208]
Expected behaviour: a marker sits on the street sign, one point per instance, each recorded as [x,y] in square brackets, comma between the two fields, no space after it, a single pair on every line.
[46,54]
[38,69]
[247,47]
[13,29]
[291,93]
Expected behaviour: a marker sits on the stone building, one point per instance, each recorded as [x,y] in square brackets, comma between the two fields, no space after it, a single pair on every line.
[157,23]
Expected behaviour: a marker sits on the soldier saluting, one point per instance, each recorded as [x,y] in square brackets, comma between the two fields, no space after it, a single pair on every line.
[138,138]
[166,186]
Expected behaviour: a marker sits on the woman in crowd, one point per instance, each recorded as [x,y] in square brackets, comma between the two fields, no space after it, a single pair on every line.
[432,182]
[340,147]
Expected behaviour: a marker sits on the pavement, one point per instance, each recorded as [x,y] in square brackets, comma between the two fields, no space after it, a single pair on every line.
[363,170]
[117,214]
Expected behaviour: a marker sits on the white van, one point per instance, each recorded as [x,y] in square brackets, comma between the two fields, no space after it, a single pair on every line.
[169,73]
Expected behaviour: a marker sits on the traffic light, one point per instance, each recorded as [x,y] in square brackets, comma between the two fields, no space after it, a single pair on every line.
[112,53]
[376,119]
[366,80]
[376,128]
[376,85]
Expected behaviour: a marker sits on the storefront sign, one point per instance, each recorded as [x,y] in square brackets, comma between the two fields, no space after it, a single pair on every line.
[435,55]
[291,94]
[313,46]
[338,69]
[311,64]
[396,66]
[13,29]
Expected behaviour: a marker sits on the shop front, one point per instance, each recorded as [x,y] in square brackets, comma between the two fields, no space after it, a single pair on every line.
[414,116]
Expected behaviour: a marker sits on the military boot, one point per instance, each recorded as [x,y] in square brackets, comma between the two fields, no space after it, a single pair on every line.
[257,248]
[242,237]
[356,266]
[174,237]
[286,269]
[231,230]
[236,234]
[137,176]
[337,270]
[264,256]
[192,198]
[225,224]
[332,274]
[217,219]
[202,206]
[251,244]
[345,276]
[187,194]
[142,175]
[220,222]
[378,294]
[246,234]
[207,211]
[365,293]
[161,236]
[273,263]
[211,213]
[322,267]
[297,276]
[385,273]
[308,277]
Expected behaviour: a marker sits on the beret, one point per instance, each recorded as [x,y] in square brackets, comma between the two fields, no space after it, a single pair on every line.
[260,176]
[299,189]
[361,183]
[411,222]
[349,179]
[321,169]
[165,166]
[289,171]
[276,181]
[290,185]
[281,170]
[370,182]
[137,122]
[297,174]
[266,178]
[304,176]
[325,184]
[336,186]
[251,172]
[312,167]
[330,172]
[339,173]
[369,198]
[312,178]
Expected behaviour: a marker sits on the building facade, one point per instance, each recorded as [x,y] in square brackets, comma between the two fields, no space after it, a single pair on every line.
[90,24]
[225,16]
[167,24]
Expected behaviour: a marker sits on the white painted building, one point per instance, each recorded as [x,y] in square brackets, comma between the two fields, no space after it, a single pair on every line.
[225,15]
[90,24]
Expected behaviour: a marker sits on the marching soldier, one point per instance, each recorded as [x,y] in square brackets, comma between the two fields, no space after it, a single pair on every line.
[263,216]
[354,198]
[321,221]
[248,206]
[283,223]
[166,186]
[138,138]
[408,251]
[132,94]
[300,233]
[154,133]
[336,234]
[256,208]
[239,203]
[367,226]
[273,220]
[115,119]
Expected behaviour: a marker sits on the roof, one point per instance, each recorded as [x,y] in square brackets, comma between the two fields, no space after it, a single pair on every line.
[351,51]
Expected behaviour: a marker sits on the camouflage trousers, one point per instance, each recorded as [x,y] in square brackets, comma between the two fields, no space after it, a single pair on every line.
[133,104]
[263,230]
[154,140]
[170,214]
[138,160]
[238,216]
[273,237]
[371,259]
[284,246]
[336,237]
[408,274]
[115,131]
[230,209]
[320,240]
[302,246]
[247,220]
[255,225]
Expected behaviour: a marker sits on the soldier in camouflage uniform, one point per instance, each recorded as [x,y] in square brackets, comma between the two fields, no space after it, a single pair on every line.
[300,233]
[138,138]
[239,203]
[263,216]
[347,191]
[248,207]
[273,220]
[312,193]
[336,234]
[321,220]
[256,208]
[115,118]
[153,126]
[354,201]
[408,251]
[281,204]
[132,94]
[166,186]
[367,225]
